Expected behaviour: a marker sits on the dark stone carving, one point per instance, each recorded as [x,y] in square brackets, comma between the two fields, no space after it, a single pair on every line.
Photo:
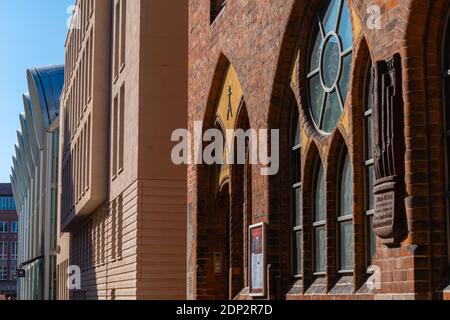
[388,148]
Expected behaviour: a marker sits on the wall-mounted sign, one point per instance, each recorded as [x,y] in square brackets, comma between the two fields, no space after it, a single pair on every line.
[257,260]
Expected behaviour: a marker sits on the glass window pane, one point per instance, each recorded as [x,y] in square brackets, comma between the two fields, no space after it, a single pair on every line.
[315,58]
[344,82]
[332,112]
[369,145]
[347,245]
[298,248]
[298,207]
[346,188]
[372,241]
[297,139]
[369,93]
[296,166]
[370,185]
[316,94]
[331,61]
[320,254]
[331,15]
[345,28]
[320,209]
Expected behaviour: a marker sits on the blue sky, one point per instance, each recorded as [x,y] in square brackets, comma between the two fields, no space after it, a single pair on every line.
[32,33]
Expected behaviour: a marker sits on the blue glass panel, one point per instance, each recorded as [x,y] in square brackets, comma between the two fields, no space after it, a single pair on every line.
[345,28]
[332,112]
[346,188]
[320,209]
[331,15]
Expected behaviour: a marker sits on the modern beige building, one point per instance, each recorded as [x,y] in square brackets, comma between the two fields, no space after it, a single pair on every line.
[122,215]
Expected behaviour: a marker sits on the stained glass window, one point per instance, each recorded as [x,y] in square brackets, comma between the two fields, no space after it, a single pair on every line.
[369,166]
[296,190]
[345,218]
[319,219]
[330,64]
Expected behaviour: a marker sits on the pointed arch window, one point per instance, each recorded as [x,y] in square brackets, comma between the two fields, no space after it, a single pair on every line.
[345,217]
[319,233]
[330,63]
[296,190]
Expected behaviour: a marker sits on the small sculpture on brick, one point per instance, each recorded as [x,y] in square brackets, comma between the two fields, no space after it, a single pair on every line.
[388,148]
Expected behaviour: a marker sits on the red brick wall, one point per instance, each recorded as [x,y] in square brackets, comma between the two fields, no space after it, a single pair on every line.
[261,40]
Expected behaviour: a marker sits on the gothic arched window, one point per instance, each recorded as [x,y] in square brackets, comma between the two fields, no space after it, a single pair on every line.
[296,190]
[320,215]
[369,166]
[345,216]
[330,63]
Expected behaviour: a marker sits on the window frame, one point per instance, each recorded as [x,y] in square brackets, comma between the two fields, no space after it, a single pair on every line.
[346,218]
[318,224]
[295,150]
[368,162]
[318,29]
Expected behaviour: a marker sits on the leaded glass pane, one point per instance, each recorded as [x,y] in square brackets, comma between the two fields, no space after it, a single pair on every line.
[331,61]
[298,248]
[345,28]
[317,49]
[346,245]
[320,245]
[369,146]
[320,209]
[298,207]
[332,112]
[344,82]
[331,16]
[369,97]
[346,188]
[296,166]
[297,134]
[370,185]
[372,239]
[334,69]
[316,94]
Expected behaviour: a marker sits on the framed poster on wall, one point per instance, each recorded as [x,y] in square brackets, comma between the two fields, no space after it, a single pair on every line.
[257,260]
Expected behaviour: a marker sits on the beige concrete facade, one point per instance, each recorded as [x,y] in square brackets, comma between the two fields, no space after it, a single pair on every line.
[123,202]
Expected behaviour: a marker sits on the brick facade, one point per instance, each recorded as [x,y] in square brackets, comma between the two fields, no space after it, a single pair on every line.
[267,44]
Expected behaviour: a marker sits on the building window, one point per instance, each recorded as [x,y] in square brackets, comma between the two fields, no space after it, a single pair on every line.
[7,204]
[345,217]
[14,250]
[3,250]
[296,191]
[330,64]
[119,36]
[118,133]
[319,233]
[369,171]
[14,227]
[3,273]
[4,227]
[216,7]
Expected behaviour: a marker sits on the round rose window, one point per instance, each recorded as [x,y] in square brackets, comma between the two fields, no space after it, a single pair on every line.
[330,64]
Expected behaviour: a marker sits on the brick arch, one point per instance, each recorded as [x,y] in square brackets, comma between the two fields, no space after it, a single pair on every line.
[356,141]
[431,25]
[331,167]
[214,92]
